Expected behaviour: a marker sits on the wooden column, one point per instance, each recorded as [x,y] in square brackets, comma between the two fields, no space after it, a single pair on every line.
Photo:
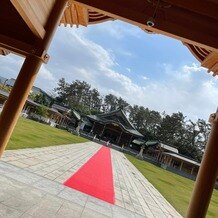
[207,175]
[120,137]
[192,170]
[93,126]
[170,161]
[130,140]
[181,166]
[26,78]
[103,130]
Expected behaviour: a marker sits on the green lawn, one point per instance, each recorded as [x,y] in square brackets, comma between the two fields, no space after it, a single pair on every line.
[31,134]
[176,189]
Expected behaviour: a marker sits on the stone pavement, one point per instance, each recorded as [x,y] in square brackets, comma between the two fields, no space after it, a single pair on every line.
[31,186]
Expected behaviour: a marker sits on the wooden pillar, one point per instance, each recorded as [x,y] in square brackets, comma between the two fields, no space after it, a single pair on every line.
[170,161]
[26,78]
[130,140]
[93,126]
[103,130]
[181,166]
[207,175]
[193,168]
[24,108]
[120,137]
[173,161]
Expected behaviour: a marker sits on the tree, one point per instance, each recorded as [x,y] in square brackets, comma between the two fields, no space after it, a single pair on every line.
[42,111]
[79,96]
[95,101]
[137,116]
[110,103]
[122,104]
[153,120]
[145,121]
[5,88]
[62,92]
[204,131]
[171,129]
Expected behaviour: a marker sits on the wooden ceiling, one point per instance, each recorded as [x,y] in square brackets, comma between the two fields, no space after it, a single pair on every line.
[195,23]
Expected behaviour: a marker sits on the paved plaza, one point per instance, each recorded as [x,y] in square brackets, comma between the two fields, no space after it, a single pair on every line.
[31,182]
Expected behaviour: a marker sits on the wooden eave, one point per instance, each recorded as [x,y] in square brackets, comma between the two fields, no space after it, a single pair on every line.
[207,58]
[4,51]
[23,24]
[178,22]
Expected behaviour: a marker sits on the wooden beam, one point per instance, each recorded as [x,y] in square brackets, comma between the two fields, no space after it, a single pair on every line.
[29,16]
[174,22]
[15,46]
[210,60]
[4,51]
[82,14]
[202,7]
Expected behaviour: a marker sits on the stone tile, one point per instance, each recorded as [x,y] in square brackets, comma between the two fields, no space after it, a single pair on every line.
[157,212]
[8,212]
[129,207]
[29,193]
[47,207]
[25,215]
[70,210]
[73,196]
[11,158]
[99,206]
[119,203]
[18,164]
[50,176]
[41,172]
[19,204]
[29,161]
[119,212]
[4,195]
[141,216]
[23,176]
[139,210]
[88,213]
[49,186]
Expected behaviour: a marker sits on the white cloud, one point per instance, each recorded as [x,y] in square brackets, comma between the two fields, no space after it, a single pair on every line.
[185,89]
[188,89]
[193,68]
[46,74]
[144,77]
[118,30]
[10,65]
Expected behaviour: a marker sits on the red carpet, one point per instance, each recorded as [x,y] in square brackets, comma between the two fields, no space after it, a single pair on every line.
[95,177]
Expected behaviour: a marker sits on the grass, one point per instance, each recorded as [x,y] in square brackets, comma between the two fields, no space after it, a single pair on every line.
[176,189]
[31,134]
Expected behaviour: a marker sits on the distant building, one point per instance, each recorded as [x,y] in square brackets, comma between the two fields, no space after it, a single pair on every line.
[113,126]
[35,90]
[169,158]
[3,80]
[55,118]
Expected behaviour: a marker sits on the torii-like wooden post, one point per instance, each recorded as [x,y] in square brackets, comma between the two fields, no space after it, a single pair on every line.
[206,176]
[27,76]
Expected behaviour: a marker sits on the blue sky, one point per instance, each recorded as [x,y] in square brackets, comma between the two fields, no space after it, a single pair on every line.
[145,69]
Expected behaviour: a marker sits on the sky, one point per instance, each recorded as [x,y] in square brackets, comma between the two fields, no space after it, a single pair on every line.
[149,70]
